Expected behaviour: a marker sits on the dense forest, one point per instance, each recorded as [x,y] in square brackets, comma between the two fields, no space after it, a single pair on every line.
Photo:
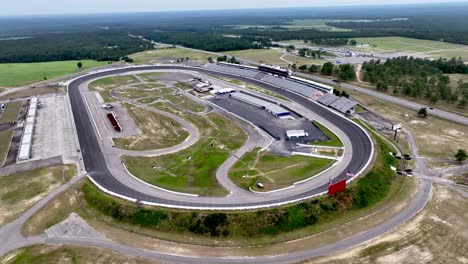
[105,37]
[419,78]
[101,45]
[205,41]
[444,27]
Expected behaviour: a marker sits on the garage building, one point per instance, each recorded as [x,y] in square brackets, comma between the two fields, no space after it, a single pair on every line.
[271,108]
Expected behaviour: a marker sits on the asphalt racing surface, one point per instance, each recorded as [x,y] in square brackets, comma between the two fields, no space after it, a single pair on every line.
[95,162]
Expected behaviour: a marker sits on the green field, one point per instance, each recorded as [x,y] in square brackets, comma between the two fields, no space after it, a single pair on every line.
[193,170]
[399,44]
[18,74]
[11,112]
[273,171]
[334,140]
[168,53]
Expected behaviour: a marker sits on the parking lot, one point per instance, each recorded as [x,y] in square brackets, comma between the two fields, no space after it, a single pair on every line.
[274,126]
[54,130]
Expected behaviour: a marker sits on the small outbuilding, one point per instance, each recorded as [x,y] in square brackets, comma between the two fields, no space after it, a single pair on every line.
[293,134]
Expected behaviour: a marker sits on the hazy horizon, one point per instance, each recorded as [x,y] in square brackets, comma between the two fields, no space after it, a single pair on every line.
[45,7]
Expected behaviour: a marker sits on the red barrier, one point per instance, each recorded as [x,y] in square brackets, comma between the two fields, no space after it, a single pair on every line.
[339,186]
[114,122]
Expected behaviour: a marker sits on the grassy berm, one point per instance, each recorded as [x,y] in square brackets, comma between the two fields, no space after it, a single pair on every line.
[367,191]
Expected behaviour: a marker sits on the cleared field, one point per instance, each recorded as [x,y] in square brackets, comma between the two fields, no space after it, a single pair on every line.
[147,56]
[185,102]
[18,74]
[302,60]
[334,139]
[20,191]
[435,137]
[40,254]
[105,85]
[319,24]
[273,171]
[436,235]
[273,56]
[394,44]
[450,53]
[193,170]
[158,131]
[5,140]
[11,112]
[261,55]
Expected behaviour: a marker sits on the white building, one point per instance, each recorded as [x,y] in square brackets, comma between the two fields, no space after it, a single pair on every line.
[291,134]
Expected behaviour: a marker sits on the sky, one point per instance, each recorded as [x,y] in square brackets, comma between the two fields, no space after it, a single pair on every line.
[41,7]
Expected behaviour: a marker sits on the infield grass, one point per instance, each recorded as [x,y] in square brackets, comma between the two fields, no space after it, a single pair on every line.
[193,170]
[273,171]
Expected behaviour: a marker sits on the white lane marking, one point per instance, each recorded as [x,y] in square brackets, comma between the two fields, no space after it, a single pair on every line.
[92,117]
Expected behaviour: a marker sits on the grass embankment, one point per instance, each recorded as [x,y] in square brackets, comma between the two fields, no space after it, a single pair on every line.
[263,225]
[40,254]
[20,191]
[193,170]
[18,74]
[5,141]
[11,112]
[158,131]
[273,171]
[105,85]
[334,139]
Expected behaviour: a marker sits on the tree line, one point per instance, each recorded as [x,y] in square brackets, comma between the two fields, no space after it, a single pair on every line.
[101,45]
[344,72]
[419,78]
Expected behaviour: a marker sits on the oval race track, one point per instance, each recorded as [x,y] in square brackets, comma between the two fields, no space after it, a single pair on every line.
[95,163]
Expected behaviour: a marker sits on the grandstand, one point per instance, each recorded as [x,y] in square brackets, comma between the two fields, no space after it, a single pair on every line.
[275,70]
[302,88]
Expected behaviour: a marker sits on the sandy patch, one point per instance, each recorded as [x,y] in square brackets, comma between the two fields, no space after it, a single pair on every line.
[454,132]
[411,254]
